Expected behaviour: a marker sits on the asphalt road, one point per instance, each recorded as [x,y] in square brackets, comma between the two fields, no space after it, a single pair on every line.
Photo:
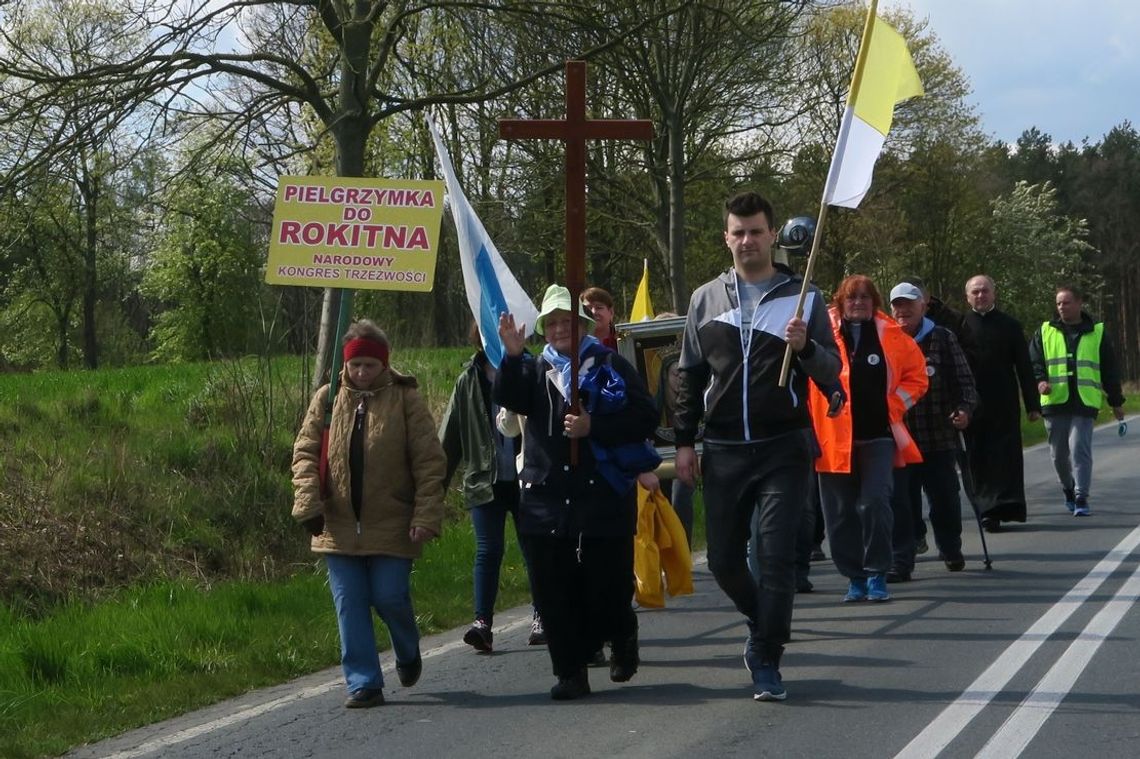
[1037,656]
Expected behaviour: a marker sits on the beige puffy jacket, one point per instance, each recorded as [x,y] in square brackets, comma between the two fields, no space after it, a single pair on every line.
[403,477]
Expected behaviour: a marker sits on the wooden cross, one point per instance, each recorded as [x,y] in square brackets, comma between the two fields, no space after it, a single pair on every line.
[574,131]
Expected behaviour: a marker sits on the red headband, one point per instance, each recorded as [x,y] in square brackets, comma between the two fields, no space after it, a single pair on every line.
[362,346]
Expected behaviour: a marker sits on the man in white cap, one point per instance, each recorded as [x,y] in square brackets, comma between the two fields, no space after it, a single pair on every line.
[934,423]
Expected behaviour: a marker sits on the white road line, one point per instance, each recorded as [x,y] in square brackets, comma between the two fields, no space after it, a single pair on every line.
[954,718]
[166,741]
[1021,726]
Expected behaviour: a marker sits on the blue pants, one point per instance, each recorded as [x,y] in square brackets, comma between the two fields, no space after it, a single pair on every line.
[360,584]
[490,523]
[857,510]
[771,477]
[1070,443]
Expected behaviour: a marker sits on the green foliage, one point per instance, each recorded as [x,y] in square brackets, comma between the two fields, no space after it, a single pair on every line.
[207,272]
[115,477]
[1033,248]
[26,338]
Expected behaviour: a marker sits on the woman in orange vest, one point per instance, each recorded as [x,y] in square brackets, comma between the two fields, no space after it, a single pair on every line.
[883,375]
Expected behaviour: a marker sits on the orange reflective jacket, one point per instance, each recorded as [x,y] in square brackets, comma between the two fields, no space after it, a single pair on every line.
[906,383]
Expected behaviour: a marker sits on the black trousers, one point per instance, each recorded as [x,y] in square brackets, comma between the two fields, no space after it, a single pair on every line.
[770,476]
[584,587]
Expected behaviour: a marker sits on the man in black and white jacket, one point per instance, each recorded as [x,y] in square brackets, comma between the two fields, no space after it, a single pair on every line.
[757,452]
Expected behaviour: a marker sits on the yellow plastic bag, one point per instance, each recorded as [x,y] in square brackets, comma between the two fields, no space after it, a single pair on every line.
[660,548]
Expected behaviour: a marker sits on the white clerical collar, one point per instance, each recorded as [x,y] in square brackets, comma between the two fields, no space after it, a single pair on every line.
[983,313]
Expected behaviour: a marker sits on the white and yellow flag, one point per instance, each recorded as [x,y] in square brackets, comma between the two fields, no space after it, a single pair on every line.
[884,76]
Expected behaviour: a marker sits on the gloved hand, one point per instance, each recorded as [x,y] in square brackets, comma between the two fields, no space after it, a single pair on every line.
[315,525]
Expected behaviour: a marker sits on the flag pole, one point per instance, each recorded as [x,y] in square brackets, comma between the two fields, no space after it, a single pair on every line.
[856,81]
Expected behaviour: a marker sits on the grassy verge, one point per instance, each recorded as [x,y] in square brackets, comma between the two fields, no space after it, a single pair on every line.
[1034,432]
[86,672]
[124,477]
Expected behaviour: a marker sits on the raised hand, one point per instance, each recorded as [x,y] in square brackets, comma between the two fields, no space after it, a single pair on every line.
[514,338]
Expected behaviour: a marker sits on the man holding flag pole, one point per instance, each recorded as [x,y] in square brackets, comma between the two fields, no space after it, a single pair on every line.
[756,452]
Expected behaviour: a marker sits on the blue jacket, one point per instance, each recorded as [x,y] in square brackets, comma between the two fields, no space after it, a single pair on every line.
[558,499]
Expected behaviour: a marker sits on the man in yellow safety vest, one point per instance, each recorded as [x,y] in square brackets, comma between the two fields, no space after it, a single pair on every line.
[1076,370]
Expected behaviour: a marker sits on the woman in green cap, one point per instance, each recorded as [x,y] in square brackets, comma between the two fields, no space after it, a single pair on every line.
[577,521]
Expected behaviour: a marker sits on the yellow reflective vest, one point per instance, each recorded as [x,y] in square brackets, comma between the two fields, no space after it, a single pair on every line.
[1060,366]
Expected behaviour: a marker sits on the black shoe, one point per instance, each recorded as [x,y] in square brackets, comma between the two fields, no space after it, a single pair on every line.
[479,636]
[409,673]
[598,659]
[955,563]
[570,688]
[804,586]
[624,659]
[894,576]
[364,698]
[817,554]
[921,546]
[989,524]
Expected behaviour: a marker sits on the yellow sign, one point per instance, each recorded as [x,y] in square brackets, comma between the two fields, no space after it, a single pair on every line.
[355,233]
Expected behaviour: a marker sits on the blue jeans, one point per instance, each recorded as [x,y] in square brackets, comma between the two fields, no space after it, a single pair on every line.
[360,584]
[490,523]
[683,506]
[1070,443]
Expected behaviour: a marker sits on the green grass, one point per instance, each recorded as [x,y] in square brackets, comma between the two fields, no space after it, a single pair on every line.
[129,476]
[85,672]
[1034,432]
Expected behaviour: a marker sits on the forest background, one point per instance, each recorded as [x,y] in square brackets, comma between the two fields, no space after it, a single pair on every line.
[142,141]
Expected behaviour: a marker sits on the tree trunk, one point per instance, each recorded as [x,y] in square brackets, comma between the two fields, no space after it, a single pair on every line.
[350,128]
[680,290]
[62,320]
[89,191]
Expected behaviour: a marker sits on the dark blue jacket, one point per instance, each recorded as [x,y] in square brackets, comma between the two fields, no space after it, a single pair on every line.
[558,499]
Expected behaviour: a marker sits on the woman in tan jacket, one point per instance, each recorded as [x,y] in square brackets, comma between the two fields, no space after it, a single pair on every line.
[381,499]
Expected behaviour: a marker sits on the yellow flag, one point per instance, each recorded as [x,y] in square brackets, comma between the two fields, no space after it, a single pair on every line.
[884,76]
[642,307]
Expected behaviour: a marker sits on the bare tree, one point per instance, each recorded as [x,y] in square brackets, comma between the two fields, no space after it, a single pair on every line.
[344,66]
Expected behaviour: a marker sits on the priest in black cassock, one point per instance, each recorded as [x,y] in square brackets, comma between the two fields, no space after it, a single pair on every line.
[1001,367]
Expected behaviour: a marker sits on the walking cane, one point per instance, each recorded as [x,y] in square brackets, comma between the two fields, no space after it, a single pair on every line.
[968,485]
